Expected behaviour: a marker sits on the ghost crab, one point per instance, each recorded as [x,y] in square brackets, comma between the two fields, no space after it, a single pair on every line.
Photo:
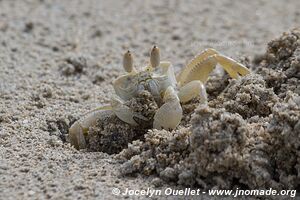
[168,90]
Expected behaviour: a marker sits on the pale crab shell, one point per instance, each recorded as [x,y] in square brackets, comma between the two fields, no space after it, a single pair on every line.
[157,81]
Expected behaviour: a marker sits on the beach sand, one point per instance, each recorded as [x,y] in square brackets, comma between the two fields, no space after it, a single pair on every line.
[58,60]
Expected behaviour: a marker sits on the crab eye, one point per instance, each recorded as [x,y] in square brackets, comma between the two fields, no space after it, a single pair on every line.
[154,56]
[128,62]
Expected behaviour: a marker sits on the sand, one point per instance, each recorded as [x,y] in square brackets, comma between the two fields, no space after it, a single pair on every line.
[58,59]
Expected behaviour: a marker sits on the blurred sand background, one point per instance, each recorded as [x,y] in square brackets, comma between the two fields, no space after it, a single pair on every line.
[37,36]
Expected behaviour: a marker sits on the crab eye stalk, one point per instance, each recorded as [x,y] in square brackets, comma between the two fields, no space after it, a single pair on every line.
[155,57]
[128,62]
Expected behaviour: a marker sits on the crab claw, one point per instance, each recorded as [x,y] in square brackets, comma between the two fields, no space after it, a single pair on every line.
[169,115]
[155,56]
[124,112]
[128,62]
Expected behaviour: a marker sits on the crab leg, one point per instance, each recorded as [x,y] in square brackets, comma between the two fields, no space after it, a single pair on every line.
[192,90]
[169,115]
[79,130]
[232,67]
[203,64]
[195,61]
[200,71]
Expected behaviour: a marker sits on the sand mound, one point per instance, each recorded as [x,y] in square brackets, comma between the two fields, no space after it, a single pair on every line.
[247,137]
[280,65]
[285,129]
[248,96]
